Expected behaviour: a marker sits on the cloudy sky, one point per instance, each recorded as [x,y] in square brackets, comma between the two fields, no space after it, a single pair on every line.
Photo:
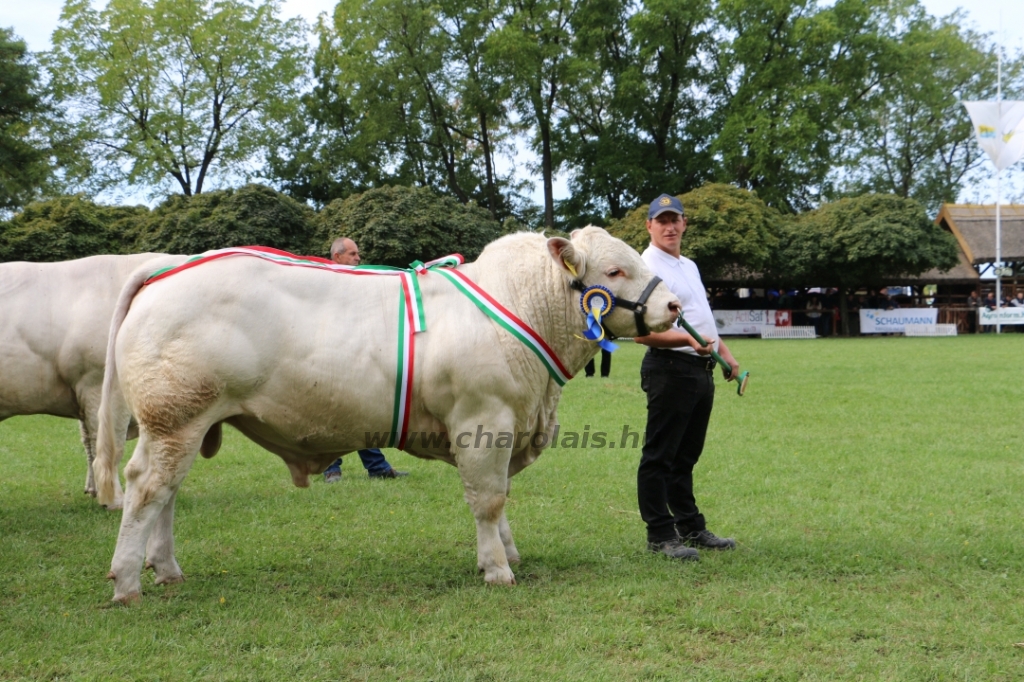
[35,20]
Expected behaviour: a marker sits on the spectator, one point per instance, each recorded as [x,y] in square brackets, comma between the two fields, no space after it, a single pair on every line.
[606,365]
[814,310]
[1018,302]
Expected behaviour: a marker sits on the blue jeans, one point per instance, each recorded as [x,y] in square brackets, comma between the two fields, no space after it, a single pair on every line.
[373,462]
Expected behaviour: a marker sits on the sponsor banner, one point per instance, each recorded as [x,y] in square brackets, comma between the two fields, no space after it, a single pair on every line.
[740,322]
[1012,315]
[889,321]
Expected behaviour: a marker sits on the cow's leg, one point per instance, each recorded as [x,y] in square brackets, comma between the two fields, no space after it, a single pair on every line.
[160,547]
[505,532]
[485,480]
[152,477]
[89,441]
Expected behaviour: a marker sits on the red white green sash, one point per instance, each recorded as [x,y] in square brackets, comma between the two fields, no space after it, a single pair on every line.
[411,317]
[507,320]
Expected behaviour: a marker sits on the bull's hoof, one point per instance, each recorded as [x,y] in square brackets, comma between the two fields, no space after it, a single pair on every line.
[91,493]
[149,565]
[111,576]
[170,579]
[512,558]
[129,599]
[116,505]
[499,576]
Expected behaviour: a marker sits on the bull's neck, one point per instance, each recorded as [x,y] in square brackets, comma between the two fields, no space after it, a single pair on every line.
[549,306]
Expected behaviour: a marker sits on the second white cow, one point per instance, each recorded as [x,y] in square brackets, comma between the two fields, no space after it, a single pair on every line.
[54,322]
[304,363]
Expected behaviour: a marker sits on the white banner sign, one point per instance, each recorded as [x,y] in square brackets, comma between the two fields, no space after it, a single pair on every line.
[999,126]
[890,321]
[740,322]
[1012,315]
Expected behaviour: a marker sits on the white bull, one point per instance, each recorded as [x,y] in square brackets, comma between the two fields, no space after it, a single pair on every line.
[54,322]
[303,362]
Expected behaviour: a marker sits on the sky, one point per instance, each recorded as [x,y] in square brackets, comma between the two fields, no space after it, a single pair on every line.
[35,20]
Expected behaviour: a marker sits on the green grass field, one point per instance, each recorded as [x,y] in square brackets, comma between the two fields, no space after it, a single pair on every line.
[874,486]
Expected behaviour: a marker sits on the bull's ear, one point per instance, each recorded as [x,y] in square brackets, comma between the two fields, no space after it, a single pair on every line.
[567,257]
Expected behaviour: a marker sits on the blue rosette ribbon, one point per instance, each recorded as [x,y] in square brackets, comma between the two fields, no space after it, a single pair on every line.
[596,302]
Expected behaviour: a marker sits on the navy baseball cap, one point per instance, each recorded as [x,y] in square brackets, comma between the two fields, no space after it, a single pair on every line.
[666,202]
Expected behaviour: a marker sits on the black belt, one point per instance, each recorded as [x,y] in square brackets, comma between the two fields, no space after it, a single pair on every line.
[707,362]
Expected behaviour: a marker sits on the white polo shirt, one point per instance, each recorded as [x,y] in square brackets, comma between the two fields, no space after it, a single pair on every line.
[682,278]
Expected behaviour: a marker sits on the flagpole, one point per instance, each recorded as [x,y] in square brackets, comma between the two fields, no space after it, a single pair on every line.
[999,233]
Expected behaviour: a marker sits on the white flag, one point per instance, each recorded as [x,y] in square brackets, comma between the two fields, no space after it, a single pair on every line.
[1000,129]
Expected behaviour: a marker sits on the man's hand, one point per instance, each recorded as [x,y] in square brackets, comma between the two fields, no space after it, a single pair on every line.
[734,367]
[701,350]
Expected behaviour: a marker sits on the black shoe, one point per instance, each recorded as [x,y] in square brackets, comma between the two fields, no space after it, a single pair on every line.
[390,473]
[705,539]
[673,549]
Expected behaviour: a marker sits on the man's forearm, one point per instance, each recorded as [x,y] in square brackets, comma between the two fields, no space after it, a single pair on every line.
[673,338]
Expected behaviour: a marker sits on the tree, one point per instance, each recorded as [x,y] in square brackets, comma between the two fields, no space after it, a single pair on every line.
[403,96]
[729,231]
[915,139]
[250,215]
[532,50]
[863,241]
[636,121]
[794,78]
[24,165]
[174,89]
[68,227]
[398,225]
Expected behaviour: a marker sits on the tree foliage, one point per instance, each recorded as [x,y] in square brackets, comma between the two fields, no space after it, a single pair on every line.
[914,138]
[174,89]
[68,227]
[24,166]
[404,95]
[729,231]
[636,117]
[250,215]
[398,225]
[862,241]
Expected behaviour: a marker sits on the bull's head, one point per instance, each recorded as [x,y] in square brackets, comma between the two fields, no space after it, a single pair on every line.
[595,258]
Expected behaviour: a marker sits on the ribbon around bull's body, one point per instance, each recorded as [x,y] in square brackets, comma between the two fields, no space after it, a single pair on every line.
[411,316]
[597,301]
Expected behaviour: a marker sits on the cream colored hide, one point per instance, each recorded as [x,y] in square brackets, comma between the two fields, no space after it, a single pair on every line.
[54,322]
[303,362]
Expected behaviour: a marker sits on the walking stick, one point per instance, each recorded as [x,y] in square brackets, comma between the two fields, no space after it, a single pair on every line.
[741,382]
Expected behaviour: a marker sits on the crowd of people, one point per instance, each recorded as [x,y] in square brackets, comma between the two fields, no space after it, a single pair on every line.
[819,307]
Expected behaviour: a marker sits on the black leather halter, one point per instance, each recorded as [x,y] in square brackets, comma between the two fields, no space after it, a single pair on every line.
[639,306]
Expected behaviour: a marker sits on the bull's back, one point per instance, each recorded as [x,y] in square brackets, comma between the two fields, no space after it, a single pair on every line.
[293,347]
[56,319]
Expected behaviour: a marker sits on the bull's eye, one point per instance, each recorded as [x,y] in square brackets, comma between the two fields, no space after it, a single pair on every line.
[614,272]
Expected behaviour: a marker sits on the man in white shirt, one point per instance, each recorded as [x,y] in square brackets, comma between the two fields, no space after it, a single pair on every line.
[676,375]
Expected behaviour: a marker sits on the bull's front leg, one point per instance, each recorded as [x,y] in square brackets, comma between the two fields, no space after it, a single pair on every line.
[484,472]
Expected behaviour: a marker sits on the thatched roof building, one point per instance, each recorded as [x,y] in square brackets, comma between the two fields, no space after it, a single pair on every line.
[974,227]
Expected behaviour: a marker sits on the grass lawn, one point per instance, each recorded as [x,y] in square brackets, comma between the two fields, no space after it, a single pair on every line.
[874,486]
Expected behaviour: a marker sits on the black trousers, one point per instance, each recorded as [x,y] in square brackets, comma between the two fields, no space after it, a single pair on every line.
[606,364]
[680,395]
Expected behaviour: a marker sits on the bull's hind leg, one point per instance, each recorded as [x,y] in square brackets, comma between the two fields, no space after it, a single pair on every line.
[505,533]
[152,478]
[485,480]
[160,547]
[89,442]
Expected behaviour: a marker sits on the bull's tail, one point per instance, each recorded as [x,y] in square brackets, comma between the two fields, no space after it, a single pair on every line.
[114,415]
